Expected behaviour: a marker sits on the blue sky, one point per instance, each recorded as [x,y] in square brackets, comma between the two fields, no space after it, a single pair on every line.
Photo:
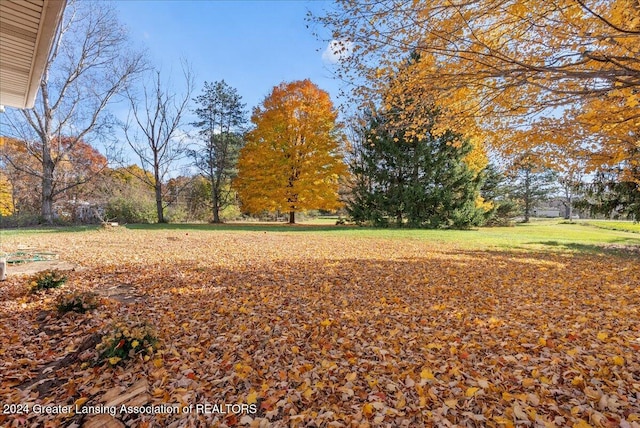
[252,45]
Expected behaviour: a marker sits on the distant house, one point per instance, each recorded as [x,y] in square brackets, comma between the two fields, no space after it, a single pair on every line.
[80,211]
[86,212]
[546,212]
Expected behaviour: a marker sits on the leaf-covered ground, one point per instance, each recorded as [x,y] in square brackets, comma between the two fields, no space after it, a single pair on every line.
[317,330]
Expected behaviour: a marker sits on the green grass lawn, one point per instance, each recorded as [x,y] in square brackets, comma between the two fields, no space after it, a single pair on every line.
[542,235]
[627,226]
[536,236]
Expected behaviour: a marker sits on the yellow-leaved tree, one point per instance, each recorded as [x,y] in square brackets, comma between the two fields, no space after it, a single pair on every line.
[292,159]
[501,67]
[6,199]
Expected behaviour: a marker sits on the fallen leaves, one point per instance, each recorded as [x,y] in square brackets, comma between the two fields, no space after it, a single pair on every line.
[331,331]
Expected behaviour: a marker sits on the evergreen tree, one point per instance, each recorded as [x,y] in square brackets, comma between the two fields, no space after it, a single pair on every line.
[413,181]
[221,116]
[496,191]
[615,190]
[533,182]
[611,195]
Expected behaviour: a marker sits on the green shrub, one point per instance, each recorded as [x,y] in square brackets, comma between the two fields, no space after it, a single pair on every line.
[46,280]
[79,302]
[230,212]
[126,342]
[131,210]
[176,214]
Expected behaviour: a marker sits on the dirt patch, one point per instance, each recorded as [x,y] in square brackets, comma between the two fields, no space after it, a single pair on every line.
[30,268]
[123,293]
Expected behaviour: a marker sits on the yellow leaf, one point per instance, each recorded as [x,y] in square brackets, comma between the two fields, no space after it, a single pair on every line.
[427,374]
[307,393]
[80,401]
[618,360]
[352,376]
[577,381]
[252,397]
[325,323]
[367,409]
[528,382]
[471,391]
[603,336]
[581,424]
[158,362]
[453,403]
[503,421]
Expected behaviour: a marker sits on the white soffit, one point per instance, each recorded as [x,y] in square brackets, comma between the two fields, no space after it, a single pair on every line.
[27,30]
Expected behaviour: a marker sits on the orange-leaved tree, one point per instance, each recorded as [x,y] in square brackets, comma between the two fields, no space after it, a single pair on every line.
[76,164]
[292,159]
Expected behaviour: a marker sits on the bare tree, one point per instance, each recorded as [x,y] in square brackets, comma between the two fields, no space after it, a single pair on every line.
[153,130]
[90,63]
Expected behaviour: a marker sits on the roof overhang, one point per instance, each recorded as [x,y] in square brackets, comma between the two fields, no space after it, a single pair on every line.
[27,31]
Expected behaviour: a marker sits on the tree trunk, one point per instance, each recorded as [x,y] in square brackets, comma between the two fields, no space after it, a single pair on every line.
[216,185]
[527,196]
[292,217]
[159,207]
[47,202]
[216,208]
[47,185]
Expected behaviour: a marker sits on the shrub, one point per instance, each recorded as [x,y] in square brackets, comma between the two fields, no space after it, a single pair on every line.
[126,342]
[176,214]
[131,210]
[79,302]
[47,279]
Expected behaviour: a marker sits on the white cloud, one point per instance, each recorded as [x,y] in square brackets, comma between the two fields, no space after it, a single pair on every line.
[185,137]
[337,50]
